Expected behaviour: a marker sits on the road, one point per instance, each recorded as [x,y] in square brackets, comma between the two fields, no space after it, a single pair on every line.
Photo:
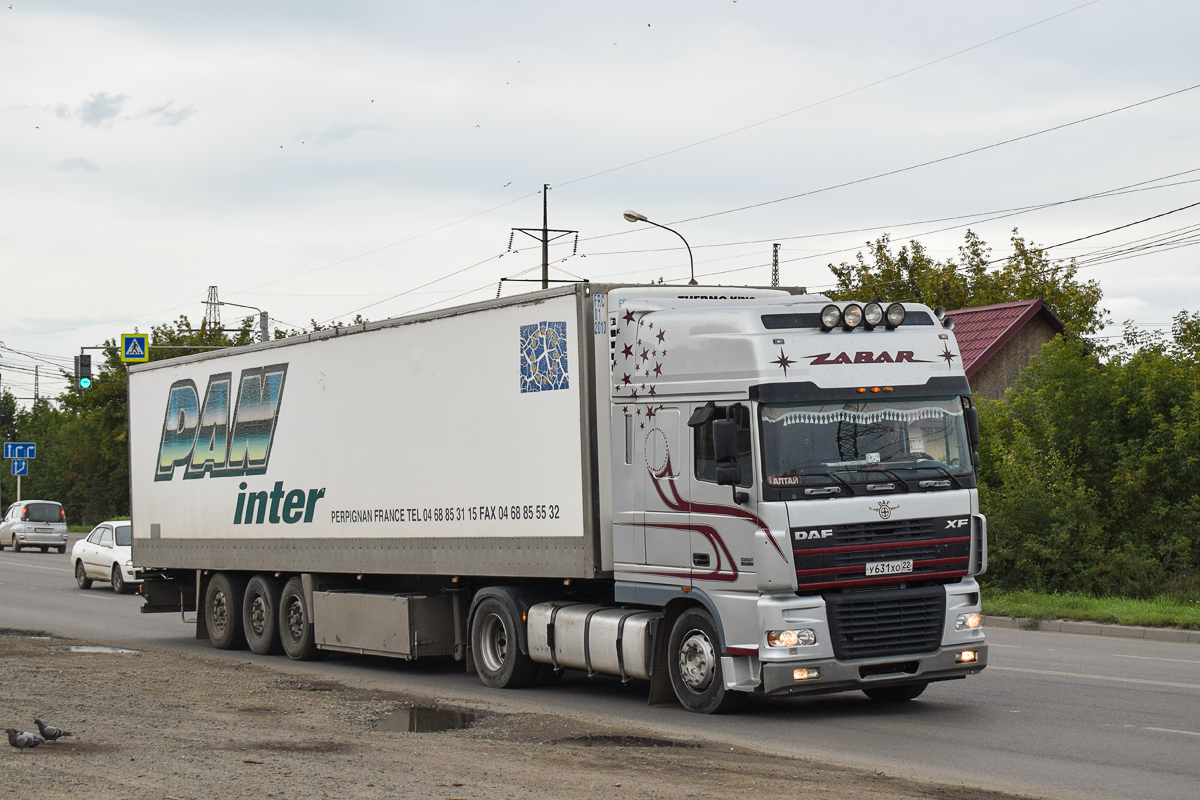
[1055,715]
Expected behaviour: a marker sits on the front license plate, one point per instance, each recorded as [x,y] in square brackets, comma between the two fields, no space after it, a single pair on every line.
[890,567]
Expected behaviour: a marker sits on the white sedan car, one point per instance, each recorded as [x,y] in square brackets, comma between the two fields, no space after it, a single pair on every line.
[105,555]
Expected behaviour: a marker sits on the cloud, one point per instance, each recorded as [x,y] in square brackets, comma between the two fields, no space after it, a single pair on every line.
[62,111]
[100,107]
[167,115]
[76,165]
[340,133]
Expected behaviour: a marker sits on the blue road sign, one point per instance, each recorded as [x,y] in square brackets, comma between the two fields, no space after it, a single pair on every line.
[135,347]
[20,450]
[20,466]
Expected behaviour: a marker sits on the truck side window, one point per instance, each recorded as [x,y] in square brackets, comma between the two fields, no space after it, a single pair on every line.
[706,465]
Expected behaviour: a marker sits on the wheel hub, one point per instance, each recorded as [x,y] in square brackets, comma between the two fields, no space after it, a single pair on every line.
[494,643]
[697,661]
[220,611]
[258,616]
[295,619]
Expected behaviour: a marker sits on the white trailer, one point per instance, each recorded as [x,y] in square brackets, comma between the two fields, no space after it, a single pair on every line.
[721,490]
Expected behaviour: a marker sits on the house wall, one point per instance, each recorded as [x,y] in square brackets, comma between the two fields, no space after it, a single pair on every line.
[1001,370]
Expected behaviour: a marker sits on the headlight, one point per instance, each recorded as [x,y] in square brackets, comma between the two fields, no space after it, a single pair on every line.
[804,636]
[966,622]
[895,315]
[852,316]
[831,317]
[873,314]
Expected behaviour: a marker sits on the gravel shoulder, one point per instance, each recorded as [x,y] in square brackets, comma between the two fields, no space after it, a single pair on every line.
[180,727]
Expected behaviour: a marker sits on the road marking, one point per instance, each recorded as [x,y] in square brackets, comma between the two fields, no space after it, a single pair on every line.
[38,566]
[1168,730]
[1096,677]
[1152,658]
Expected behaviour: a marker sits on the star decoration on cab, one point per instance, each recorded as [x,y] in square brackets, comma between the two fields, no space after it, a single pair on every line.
[783,361]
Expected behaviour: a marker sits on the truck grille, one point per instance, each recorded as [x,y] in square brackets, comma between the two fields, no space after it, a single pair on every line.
[837,557]
[886,623]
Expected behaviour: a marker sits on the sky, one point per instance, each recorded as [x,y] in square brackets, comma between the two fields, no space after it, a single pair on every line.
[319,160]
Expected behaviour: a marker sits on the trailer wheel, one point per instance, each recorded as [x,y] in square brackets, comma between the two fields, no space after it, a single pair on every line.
[694,663]
[260,615]
[896,694]
[498,657]
[295,624]
[223,611]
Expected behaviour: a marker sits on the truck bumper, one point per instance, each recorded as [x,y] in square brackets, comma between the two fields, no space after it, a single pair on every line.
[779,677]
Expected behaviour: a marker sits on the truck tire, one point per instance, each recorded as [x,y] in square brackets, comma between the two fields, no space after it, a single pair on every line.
[694,664]
[260,615]
[896,694]
[295,624]
[498,657]
[223,611]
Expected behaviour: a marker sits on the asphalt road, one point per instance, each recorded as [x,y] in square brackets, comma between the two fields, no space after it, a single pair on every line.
[1055,715]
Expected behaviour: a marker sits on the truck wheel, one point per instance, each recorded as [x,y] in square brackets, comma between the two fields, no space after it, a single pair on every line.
[295,624]
[260,615]
[896,694]
[498,657]
[81,578]
[694,663]
[223,611]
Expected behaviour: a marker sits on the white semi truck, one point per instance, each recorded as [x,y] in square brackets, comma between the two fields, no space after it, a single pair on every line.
[719,490]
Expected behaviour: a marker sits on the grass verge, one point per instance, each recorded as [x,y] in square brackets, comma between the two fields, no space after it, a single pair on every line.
[1161,612]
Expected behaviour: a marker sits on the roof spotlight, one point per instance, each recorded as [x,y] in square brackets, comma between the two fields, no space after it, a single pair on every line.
[852,316]
[948,323]
[831,317]
[873,314]
[895,315]
[939,312]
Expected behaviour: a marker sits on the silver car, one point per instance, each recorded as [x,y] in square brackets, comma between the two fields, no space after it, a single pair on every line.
[34,523]
[106,555]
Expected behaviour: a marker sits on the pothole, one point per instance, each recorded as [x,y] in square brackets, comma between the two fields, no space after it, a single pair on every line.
[92,648]
[623,741]
[426,719]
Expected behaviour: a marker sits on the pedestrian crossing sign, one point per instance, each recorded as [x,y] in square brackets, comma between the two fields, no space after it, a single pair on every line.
[135,347]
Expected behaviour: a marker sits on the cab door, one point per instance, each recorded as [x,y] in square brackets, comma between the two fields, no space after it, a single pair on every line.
[723,532]
[629,490]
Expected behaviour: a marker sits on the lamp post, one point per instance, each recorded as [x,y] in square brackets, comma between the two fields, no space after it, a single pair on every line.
[262,317]
[633,216]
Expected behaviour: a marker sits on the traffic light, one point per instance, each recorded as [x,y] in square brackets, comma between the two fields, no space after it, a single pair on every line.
[83,372]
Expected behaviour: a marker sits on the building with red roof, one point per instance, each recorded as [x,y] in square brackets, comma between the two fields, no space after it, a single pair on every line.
[996,342]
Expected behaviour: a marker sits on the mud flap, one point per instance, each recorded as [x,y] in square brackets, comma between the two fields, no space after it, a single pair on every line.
[201,619]
[661,691]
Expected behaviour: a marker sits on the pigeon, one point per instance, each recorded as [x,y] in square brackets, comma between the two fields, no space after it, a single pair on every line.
[51,733]
[23,739]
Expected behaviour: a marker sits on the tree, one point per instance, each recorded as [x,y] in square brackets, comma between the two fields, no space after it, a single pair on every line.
[972,280]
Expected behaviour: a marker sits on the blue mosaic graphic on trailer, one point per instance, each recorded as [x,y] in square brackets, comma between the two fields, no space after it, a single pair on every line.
[544,357]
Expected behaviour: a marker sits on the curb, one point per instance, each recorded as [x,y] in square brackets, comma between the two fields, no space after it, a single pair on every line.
[1095,629]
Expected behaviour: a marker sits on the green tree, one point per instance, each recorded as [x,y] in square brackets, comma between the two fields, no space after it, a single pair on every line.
[972,279]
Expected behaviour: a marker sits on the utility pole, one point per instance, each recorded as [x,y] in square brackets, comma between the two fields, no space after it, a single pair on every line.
[775,264]
[543,235]
[35,399]
[212,312]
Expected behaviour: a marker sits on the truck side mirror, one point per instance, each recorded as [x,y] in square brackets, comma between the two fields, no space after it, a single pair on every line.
[729,471]
[971,416]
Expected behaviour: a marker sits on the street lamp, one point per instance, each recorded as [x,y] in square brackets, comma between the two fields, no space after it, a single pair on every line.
[262,317]
[633,216]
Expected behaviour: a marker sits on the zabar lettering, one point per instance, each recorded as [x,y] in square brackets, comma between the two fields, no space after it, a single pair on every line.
[867,357]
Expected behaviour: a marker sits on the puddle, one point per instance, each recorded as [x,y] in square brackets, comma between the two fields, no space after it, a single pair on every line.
[92,648]
[426,719]
[623,741]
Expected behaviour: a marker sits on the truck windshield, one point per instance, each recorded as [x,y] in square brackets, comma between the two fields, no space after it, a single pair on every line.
[864,436]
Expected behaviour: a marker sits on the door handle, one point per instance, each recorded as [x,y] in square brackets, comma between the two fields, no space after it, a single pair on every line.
[699,559]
